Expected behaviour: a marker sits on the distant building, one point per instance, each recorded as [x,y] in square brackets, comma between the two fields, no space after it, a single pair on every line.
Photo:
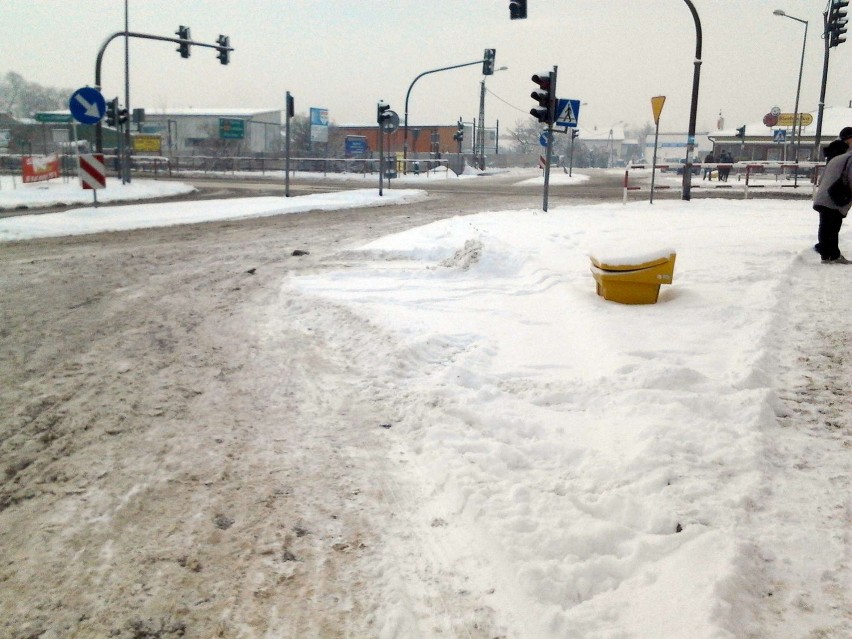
[777,143]
[190,131]
[671,147]
[428,139]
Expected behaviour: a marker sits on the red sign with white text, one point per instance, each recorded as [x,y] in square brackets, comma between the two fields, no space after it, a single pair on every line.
[40,168]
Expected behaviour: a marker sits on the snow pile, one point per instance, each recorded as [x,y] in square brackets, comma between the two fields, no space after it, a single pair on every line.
[595,461]
[14,194]
[95,220]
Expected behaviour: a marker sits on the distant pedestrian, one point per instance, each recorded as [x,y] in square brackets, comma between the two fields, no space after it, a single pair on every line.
[708,170]
[831,214]
[724,171]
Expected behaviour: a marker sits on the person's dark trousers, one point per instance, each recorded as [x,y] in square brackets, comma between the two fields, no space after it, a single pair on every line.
[830,221]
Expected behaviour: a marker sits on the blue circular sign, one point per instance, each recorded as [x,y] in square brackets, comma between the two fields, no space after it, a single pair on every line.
[87,105]
[545,138]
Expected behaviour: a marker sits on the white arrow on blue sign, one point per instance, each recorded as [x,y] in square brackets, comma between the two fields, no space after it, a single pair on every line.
[544,138]
[567,112]
[87,105]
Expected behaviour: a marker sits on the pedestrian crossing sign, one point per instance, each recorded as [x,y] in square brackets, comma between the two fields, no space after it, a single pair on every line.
[567,112]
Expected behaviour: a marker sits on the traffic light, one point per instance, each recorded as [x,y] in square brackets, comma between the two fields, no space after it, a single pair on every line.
[111,110]
[224,43]
[488,62]
[518,9]
[458,136]
[183,47]
[382,114]
[836,23]
[291,106]
[545,96]
[121,116]
[741,133]
[574,133]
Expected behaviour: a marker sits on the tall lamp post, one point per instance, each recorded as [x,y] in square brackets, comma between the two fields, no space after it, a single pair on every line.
[693,110]
[408,95]
[481,134]
[797,123]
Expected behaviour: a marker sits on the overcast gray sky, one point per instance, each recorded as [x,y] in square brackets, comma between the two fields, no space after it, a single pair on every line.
[344,55]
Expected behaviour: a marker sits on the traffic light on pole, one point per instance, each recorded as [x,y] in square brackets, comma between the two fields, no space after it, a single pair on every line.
[382,114]
[518,9]
[741,133]
[224,43]
[488,62]
[545,96]
[836,25]
[111,110]
[574,133]
[183,47]
[459,134]
[121,116]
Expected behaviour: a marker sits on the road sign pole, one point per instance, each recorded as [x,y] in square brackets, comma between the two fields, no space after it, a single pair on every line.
[288,101]
[549,153]
[381,157]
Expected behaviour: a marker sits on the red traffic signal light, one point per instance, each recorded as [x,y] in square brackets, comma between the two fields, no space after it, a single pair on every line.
[545,96]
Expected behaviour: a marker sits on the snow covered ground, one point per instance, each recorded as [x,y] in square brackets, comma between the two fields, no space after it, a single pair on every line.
[592,469]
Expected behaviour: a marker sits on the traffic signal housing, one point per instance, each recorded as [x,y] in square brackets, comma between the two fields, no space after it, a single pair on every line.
[836,23]
[518,9]
[183,47]
[458,136]
[224,43]
[488,61]
[545,96]
[382,114]
[741,133]
[121,116]
[111,111]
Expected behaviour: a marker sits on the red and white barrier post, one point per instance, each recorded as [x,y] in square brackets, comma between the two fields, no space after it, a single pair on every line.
[92,172]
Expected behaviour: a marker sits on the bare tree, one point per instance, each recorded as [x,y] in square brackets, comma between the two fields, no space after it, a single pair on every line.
[22,99]
[524,136]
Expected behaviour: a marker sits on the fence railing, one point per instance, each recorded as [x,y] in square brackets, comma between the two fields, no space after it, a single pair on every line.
[746,175]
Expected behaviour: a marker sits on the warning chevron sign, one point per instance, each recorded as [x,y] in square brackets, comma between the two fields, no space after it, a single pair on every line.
[92,171]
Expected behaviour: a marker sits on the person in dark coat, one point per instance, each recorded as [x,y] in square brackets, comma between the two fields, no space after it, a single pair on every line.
[839,162]
[725,171]
[708,170]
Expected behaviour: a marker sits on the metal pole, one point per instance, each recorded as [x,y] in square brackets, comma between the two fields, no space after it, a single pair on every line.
[125,177]
[408,94]
[550,117]
[797,122]
[131,34]
[826,38]
[287,145]
[693,111]
[481,136]
[654,162]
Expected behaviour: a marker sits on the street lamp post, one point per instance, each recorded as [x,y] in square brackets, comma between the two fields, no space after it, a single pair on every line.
[797,124]
[693,111]
[480,148]
[408,95]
